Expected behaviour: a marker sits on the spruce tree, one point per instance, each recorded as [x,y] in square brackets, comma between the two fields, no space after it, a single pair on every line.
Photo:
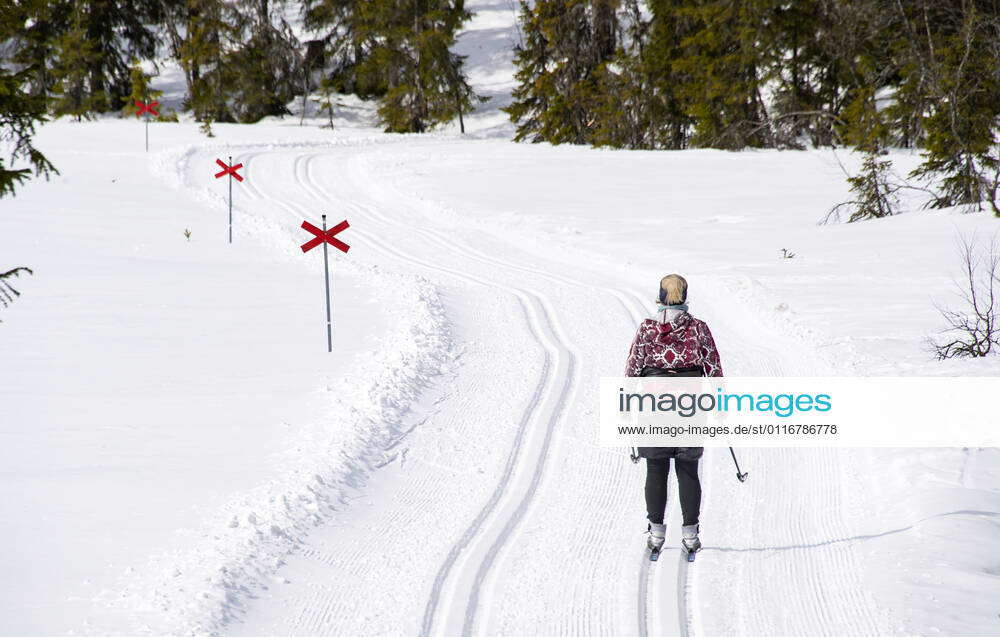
[792,28]
[410,59]
[264,76]
[76,95]
[327,99]
[37,25]
[563,77]
[961,127]
[636,99]
[345,46]
[141,90]
[855,63]
[862,125]
[873,189]
[21,109]
[534,91]
[203,31]
[117,31]
[621,106]
[670,123]
[723,71]
[85,47]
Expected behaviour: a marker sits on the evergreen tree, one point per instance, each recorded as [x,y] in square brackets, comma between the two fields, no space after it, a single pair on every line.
[563,77]
[202,32]
[792,28]
[636,102]
[724,71]
[961,126]
[116,32]
[534,91]
[38,25]
[622,108]
[76,95]
[21,109]
[345,47]
[873,189]
[327,99]
[670,123]
[857,64]
[84,47]
[141,90]
[410,59]
[264,77]
[862,125]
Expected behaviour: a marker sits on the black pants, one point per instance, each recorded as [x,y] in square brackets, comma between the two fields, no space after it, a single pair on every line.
[657,472]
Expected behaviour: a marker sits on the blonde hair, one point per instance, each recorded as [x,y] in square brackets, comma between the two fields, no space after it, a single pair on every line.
[676,288]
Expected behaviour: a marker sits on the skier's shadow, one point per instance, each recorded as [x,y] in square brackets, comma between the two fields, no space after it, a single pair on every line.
[843,540]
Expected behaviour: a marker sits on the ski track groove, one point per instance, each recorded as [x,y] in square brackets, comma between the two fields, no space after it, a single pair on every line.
[844,606]
[475,527]
[643,595]
[540,321]
[636,316]
[631,302]
[635,313]
[749,359]
[590,547]
[523,299]
[683,588]
[538,315]
[823,590]
[512,522]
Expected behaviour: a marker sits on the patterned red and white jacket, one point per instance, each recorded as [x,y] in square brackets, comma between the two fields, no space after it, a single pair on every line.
[682,342]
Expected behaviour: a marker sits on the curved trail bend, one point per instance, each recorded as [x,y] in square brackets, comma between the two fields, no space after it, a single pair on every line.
[505,516]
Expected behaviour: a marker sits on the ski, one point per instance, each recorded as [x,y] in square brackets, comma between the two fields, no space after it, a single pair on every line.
[654,554]
[691,554]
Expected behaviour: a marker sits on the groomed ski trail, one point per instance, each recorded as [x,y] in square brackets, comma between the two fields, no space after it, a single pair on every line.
[559,364]
[491,567]
[463,585]
[490,530]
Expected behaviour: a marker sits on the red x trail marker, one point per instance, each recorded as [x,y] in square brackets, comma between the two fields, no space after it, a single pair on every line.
[142,107]
[147,108]
[324,237]
[228,170]
[328,236]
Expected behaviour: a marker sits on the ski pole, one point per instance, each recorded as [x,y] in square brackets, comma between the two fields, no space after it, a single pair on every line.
[633,453]
[742,477]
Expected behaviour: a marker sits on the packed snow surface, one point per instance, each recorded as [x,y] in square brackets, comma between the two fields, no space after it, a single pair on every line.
[182,456]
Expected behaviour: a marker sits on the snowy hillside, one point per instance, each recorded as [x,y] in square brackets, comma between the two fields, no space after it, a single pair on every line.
[183,457]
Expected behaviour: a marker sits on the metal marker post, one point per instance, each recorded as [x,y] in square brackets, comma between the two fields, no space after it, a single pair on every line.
[230,201]
[326,275]
[324,236]
[145,111]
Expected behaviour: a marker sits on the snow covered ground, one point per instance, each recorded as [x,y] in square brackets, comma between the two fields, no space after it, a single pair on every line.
[181,456]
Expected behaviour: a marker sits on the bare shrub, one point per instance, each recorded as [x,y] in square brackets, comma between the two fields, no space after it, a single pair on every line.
[976,328]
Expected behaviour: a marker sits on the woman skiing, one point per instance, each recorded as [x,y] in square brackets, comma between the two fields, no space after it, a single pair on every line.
[673,344]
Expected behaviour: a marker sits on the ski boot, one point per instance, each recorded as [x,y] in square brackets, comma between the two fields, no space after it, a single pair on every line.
[690,541]
[657,534]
